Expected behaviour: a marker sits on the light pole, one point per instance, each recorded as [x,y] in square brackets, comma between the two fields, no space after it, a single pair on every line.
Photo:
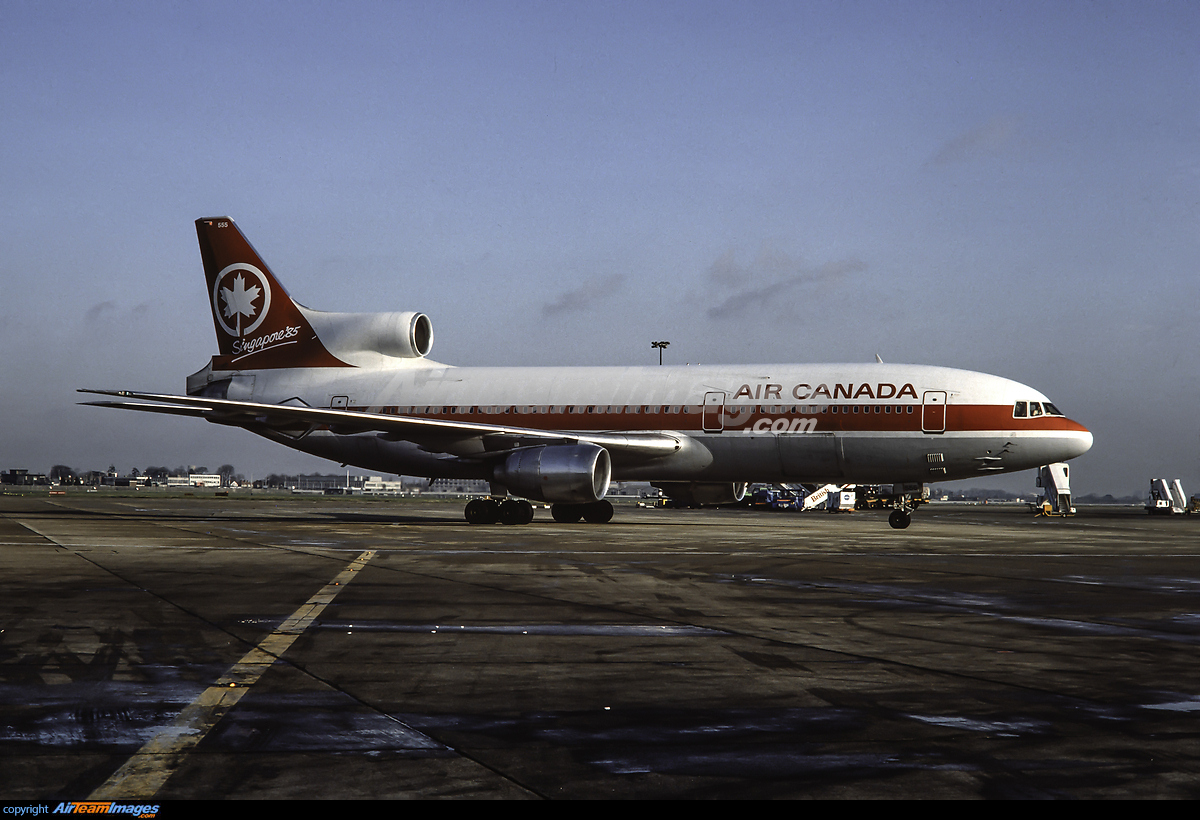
[661,346]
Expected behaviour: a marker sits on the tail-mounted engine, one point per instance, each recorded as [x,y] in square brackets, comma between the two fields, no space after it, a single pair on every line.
[573,474]
[348,336]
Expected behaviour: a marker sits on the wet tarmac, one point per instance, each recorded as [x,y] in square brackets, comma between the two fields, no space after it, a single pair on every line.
[279,647]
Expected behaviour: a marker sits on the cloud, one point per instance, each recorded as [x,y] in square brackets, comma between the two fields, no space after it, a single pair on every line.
[583,297]
[771,283]
[106,309]
[96,311]
[990,138]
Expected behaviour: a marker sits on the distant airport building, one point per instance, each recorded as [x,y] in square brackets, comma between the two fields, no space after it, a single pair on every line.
[194,480]
[326,482]
[376,485]
[461,486]
[23,478]
[124,481]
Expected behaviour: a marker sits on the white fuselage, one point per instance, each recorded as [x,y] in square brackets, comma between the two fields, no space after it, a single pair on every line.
[845,423]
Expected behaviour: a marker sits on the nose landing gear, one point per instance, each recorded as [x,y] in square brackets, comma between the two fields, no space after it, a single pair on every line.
[905,503]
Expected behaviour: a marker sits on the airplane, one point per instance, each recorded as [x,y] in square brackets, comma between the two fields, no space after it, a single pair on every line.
[359,388]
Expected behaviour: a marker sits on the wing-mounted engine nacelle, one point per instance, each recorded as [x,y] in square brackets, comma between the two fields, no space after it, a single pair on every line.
[563,474]
[407,335]
[699,494]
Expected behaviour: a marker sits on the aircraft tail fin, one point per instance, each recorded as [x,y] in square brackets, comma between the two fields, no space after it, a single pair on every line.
[258,325]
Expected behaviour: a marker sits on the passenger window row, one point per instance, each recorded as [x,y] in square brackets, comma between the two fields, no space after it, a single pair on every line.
[733,409]
[871,408]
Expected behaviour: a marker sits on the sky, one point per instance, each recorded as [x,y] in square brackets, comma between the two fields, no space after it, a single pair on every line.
[1011,188]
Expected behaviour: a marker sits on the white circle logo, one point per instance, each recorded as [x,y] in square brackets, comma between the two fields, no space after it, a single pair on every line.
[242,304]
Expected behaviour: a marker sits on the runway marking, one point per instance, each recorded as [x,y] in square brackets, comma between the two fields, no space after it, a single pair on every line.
[145,773]
[581,630]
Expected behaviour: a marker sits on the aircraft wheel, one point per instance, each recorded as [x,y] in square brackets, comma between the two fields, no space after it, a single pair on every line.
[473,513]
[899,519]
[599,512]
[516,512]
[482,511]
[566,513]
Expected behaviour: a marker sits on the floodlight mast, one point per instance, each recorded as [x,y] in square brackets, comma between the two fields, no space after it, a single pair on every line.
[661,346]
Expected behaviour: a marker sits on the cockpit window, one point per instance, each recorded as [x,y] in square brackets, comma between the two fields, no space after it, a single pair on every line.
[1033,409]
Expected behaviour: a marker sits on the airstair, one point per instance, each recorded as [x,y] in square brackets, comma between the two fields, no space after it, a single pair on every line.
[1055,481]
[819,498]
[1166,499]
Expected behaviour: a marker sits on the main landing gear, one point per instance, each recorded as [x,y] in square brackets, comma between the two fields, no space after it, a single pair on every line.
[519,511]
[490,511]
[598,512]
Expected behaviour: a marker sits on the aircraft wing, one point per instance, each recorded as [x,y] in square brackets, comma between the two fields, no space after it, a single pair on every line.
[432,434]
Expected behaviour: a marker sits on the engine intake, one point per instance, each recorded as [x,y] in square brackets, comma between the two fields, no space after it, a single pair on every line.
[575,474]
[406,335]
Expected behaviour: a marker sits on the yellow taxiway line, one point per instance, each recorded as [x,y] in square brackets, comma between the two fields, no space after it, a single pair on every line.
[145,773]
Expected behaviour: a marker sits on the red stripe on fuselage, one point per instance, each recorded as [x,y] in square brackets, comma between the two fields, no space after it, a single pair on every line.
[846,417]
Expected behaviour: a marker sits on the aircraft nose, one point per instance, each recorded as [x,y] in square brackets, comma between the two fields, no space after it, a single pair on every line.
[1077,442]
